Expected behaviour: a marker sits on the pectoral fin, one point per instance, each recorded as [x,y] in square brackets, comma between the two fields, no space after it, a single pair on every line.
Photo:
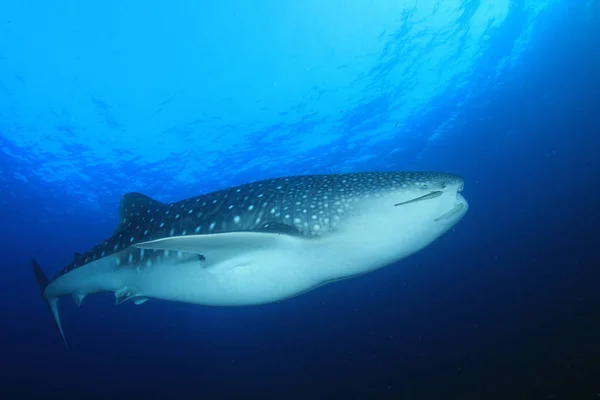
[220,248]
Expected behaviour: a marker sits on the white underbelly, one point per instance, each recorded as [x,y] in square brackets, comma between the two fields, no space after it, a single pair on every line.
[260,277]
[271,275]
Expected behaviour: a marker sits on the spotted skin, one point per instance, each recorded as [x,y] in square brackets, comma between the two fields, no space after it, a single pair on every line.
[307,206]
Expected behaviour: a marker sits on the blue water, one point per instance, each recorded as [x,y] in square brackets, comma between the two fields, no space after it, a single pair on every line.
[176,99]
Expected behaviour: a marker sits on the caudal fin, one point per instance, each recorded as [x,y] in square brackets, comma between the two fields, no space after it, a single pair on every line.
[52,302]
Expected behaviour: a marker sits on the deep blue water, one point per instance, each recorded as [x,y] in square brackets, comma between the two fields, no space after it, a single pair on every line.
[176,100]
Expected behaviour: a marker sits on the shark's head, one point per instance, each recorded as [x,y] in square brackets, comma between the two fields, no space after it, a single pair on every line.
[407,212]
[435,196]
[432,202]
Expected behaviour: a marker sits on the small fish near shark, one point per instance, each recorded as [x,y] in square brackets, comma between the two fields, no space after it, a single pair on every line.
[262,241]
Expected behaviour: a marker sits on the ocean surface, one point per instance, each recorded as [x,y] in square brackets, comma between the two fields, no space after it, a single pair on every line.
[176,99]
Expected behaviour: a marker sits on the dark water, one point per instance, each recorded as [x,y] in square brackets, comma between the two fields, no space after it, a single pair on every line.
[504,306]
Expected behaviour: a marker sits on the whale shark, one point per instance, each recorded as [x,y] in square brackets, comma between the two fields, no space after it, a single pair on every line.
[263,241]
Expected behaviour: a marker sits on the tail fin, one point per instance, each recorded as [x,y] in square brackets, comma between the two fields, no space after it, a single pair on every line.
[52,302]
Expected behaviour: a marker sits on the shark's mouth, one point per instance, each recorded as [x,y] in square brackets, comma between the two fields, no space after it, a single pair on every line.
[449,214]
[431,195]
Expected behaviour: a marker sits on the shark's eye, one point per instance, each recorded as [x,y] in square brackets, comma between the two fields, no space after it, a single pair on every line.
[443,185]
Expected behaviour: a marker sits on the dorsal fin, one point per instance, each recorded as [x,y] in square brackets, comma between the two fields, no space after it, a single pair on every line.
[133,207]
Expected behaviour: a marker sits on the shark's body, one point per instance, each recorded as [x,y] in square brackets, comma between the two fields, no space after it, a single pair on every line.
[263,241]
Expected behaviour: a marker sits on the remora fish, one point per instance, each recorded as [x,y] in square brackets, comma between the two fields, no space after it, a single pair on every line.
[262,241]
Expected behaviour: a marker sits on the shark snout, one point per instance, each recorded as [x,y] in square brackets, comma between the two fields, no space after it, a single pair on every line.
[460,199]
[457,208]
[454,187]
